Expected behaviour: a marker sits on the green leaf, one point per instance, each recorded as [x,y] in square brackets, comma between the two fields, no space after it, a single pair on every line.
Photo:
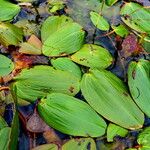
[8,10]
[93,56]
[80,144]
[111,2]
[108,95]
[40,80]
[136,17]
[144,138]
[64,41]
[71,116]
[67,65]
[139,84]
[3,123]
[114,130]
[99,21]
[46,147]
[6,65]
[10,34]
[121,30]
[5,138]
[53,24]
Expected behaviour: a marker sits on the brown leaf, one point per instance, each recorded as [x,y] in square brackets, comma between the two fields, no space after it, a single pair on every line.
[130,46]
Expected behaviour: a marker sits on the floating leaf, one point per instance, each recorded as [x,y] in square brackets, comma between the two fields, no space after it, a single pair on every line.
[71,116]
[67,65]
[136,17]
[39,81]
[111,2]
[6,65]
[80,144]
[46,147]
[99,21]
[8,10]
[114,130]
[108,95]
[64,41]
[144,139]
[10,34]
[139,84]
[121,30]
[93,56]
[53,24]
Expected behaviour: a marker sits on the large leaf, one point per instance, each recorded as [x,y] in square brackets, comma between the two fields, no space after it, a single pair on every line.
[108,95]
[114,130]
[71,116]
[6,65]
[38,81]
[64,41]
[10,34]
[93,56]
[67,65]
[136,16]
[52,24]
[139,84]
[99,21]
[80,144]
[8,10]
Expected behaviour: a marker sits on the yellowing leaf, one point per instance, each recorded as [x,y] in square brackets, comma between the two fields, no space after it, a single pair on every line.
[99,21]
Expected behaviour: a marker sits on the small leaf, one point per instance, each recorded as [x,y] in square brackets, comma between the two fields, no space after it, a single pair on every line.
[114,130]
[139,84]
[5,138]
[71,116]
[121,30]
[52,24]
[109,96]
[46,147]
[8,10]
[67,65]
[111,2]
[38,81]
[80,144]
[64,41]
[6,65]
[144,138]
[93,56]
[10,34]
[99,21]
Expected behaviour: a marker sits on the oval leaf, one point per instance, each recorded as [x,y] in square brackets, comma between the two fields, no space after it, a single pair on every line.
[67,40]
[39,81]
[139,84]
[108,95]
[93,56]
[71,116]
[6,65]
[99,21]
